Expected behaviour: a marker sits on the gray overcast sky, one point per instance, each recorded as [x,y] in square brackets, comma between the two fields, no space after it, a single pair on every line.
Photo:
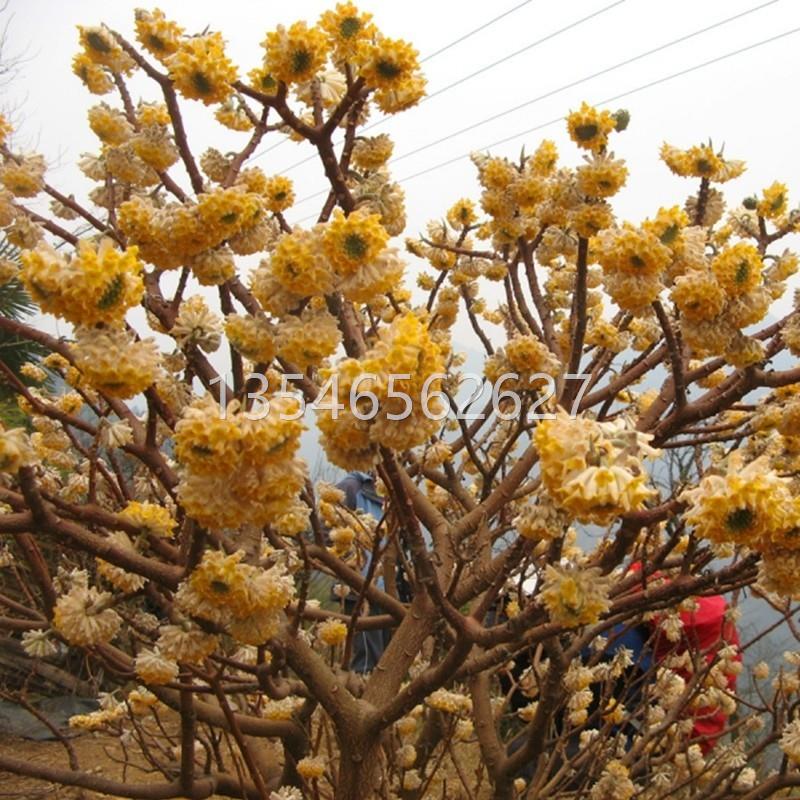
[749,102]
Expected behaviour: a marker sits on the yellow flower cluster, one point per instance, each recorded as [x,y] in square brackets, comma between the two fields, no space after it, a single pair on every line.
[701,161]
[169,236]
[372,152]
[153,667]
[309,339]
[332,632]
[354,241]
[152,519]
[83,616]
[574,596]
[102,49]
[525,357]
[748,505]
[115,363]
[253,337]
[97,285]
[200,69]
[162,37]
[589,128]
[593,470]
[23,177]
[347,29]
[246,599]
[15,450]
[238,469]
[404,349]
[295,54]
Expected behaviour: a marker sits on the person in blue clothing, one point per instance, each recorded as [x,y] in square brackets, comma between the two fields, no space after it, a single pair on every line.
[368,645]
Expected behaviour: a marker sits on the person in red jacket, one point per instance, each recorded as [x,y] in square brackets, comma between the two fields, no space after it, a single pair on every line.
[705,631]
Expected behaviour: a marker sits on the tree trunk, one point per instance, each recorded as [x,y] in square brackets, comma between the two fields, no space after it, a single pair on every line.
[359,773]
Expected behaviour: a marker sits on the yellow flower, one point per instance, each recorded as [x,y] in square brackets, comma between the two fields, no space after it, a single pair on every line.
[588,219]
[332,632]
[388,63]
[98,285]
[351,242]
[294,55]
[633,251]
[162,37]
[185,642]
[593,470]
[155,147]
[774,201]
[311,768]
[372,152]
[101,47]
[574,596]
[213,267]
[24,178]
[462,214]
[297,266]
[253,337]
[544,159]
[309,339]
[152,519]
[279,193]
[116,576]
[94,77]
[201,70]
[15,450]
[738,268]
[109,124]
[700,161]
[698,295]
[114,363]
[233,116]
[602,176]
[83,617]
[152,114]
[155,668]
[346,28]
[749,505]
[589,128]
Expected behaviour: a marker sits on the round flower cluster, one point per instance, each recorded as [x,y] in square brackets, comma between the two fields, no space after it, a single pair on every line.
[404,361]
[749,505]
[701,161]
[168,237]
[83,616]
[593,470]
[574,596]
[238,469]
[114,362]
[97,285]
[200,69]
[247,600]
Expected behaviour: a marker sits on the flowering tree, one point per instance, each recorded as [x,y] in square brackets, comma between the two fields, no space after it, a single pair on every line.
[186,575]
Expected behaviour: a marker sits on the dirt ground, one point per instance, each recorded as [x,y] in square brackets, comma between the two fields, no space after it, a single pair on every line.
[94,751]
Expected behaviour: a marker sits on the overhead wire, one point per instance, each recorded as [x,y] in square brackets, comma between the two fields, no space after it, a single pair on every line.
[605,101]
[570,85]
[438,52]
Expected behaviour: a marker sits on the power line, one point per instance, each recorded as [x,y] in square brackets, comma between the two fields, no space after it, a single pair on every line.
[611,99]
[473,32]
[441,50]
[565,86]
[597,74]
[485,68]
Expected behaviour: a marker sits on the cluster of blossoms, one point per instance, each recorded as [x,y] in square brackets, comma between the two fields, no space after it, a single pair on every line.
[592,470]
[246,600]
[751,506]
[402,362]
[238,470]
